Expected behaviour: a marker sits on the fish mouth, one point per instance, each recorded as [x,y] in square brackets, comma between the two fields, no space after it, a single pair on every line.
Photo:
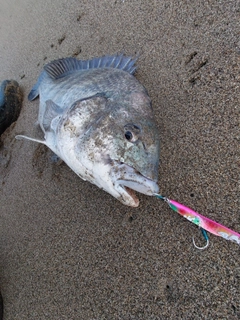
[128,181]
[127,196]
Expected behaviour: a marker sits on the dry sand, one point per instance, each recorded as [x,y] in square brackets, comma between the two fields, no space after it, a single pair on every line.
[71,251]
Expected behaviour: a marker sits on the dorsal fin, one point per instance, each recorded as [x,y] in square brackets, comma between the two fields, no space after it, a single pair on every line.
[62,67]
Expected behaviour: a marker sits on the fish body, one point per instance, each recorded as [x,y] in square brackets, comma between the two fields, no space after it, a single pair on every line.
[98,118]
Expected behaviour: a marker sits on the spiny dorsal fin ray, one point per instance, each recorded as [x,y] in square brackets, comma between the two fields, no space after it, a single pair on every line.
[62,67]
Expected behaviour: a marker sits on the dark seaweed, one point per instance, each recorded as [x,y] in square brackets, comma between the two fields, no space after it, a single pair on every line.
[1,307]
[11,104]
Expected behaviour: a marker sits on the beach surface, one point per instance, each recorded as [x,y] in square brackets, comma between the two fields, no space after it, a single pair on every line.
[69,250]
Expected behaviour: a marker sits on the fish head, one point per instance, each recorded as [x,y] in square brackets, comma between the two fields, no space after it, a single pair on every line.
[118,148]
[134,149]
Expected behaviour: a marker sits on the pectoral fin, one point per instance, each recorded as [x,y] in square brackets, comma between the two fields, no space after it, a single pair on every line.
[52,111]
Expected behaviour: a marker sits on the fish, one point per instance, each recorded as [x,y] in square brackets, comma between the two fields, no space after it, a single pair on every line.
[98,118]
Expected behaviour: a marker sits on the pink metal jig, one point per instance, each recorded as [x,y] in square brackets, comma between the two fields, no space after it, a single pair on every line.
[201,221]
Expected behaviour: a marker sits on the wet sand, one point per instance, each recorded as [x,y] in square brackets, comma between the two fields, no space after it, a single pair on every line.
[71,251]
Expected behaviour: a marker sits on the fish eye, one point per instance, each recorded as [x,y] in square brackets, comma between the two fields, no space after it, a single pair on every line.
[128,135]
[132,132]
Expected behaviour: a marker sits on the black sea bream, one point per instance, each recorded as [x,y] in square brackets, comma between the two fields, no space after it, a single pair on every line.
[98,118]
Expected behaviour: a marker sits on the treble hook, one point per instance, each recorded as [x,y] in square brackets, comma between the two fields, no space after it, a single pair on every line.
[204,233]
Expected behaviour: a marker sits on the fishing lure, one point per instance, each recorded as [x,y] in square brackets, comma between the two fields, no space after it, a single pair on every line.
[204,223]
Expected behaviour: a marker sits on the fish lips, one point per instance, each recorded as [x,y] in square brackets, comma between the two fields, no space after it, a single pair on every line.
[130,181]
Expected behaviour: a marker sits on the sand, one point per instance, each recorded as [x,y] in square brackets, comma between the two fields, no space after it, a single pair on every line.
[71,251]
